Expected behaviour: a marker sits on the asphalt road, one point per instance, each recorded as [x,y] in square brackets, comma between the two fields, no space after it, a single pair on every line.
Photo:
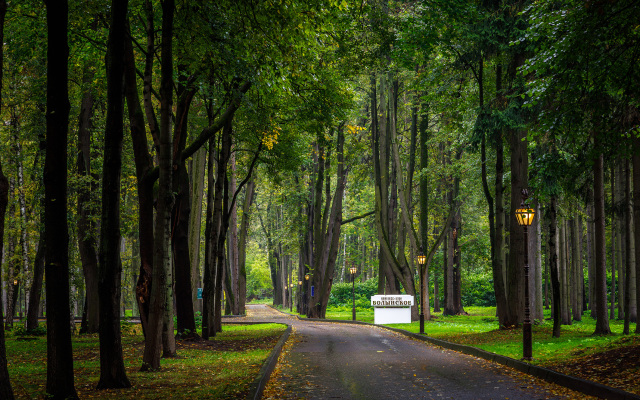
[343,361]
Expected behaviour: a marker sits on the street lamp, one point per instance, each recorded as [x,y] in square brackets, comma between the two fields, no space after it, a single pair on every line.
[290,297]
[422,259]
[353,271]
[525,216]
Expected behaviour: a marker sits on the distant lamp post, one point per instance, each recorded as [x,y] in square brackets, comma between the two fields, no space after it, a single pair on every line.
[422,259]
[353,271]
[305,294]
[290,297]
[299,297]
[525,216]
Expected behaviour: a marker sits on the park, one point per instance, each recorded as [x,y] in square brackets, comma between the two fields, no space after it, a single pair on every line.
[314,199]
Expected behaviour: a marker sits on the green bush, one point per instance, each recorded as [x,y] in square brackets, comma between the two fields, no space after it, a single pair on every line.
[341,294]
[478,291]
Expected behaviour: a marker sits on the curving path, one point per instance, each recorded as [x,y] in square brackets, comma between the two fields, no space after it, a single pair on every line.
[343,361]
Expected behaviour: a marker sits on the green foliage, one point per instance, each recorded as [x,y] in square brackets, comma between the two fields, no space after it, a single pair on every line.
[258,274]
[341,294]
[21,330]
[477,290]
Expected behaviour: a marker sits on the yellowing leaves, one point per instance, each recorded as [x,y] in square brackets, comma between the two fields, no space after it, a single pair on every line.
[353,129]
[270,138]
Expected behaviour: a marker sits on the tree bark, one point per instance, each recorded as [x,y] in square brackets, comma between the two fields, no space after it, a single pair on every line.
[553,265]
[6,392]
[145,182]
[59,352]
[197,172]
[636,217]
[36,286]
[242,246]
[626,218]
[162,256]
[86,228]
[326,241]
[515,276]
[424,207]
[112,372]
[602,320]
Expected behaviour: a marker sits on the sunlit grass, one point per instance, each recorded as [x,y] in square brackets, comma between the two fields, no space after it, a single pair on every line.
[195,374]
[480,329]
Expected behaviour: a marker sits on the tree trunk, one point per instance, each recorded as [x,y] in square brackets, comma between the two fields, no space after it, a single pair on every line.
[186,324]
[602,320]
[162,256]
[145,183]
[553,265]
[424,208]
[36,286]
[86,228]
[232,247]
[564,274]
[636,218]
[208,274]
[59,352]
[626,218]
[112,372]
[578,270]
[181,212]
[13,283]
[6,392]
[620,238]
[591,254]
[515,276]
[326,241]
[197,172]
[242,247]
[22,205]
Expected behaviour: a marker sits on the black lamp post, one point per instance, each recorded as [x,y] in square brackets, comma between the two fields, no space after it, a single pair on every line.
[299,306]
[290,297]
[525,216]
[305,300]
[422,259]
[353,271]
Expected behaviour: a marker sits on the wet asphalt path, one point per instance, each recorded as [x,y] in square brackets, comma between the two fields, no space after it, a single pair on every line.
[344,361]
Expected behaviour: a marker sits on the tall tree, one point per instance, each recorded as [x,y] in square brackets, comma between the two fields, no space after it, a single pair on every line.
[112,372]
[602,319]
[59,352]
[85,225]
[6,392]
[158,330]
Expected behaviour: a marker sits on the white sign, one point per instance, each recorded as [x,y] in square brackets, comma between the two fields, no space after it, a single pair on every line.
[392,308]
[392,300]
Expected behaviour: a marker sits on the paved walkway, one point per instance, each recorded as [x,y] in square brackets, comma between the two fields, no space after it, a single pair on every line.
[343,361]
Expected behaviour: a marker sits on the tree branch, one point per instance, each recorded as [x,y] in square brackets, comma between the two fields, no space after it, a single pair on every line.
[346,221]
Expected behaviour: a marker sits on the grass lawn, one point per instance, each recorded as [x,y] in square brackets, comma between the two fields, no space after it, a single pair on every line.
[222,368]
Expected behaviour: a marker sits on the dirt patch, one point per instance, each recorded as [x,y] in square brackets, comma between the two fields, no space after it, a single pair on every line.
[617,368]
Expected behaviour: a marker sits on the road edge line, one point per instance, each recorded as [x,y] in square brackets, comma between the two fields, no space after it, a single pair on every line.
[260,382]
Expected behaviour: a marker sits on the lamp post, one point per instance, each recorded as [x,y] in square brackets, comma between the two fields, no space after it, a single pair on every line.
[525,216]
[290,297]
[353,271]
[305,300]
[422,259]
[299,295]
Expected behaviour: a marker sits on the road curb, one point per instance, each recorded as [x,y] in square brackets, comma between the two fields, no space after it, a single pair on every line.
[571,382]
[259,383]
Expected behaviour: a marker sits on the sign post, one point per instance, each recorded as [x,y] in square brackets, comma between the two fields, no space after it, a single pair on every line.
[392,308]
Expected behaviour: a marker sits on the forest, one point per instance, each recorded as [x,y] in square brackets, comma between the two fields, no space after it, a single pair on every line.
[172,160]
